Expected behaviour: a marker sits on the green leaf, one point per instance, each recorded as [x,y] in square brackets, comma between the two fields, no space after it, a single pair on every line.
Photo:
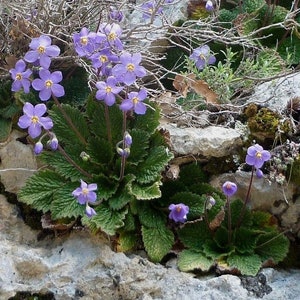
[57,161]
[145,192]
[140,144]
[194,235]
[236,209]
[272,245]
[261,220]
[246,264]
[190,260]
[5,129]
[192,171]
[245,240]
[149,216]
[40,188]
[195,202]
[120,199]
[64,204]
[211,250]
[221,238]
[64,130]
[127,241]
[157,241]
[107,186]
[153,165]
[107,220]
[129,222]
[100,150]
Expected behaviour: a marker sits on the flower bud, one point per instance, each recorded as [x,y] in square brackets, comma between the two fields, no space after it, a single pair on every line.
[127,139]
[53,143]
[38,147]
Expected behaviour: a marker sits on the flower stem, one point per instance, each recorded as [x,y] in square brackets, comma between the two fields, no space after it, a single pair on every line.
[246,200]
[229,220]
[68,119]
[108,127]
[123,159]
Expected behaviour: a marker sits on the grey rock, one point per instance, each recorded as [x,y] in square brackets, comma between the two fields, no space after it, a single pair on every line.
[211,141]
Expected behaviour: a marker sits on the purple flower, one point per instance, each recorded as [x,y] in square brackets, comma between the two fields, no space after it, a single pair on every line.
[149,8]
[115,15]
[89,211]
[209,6]
[169,1]
[178,212]
[20,77]
[42,50]
[113,33]
[103,58]
[86,42]
[129,68]
[38,147]
[259,173]
[134,101]
[127,139]
[85,193]
[107,90]
[53,143]
[202,57]
[256,156]
[47,84]
[123,152]
[33,119]
[229,188]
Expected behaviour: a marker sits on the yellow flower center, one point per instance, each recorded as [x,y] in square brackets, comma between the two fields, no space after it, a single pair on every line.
[103,58]
[112,36]
[34,119]
[84,40]
[41,49]
[130,67]
[85,191]
[19,76]
[108,89]
[258,154]
[178,208]
[201,56]
[135,100]
[48,83]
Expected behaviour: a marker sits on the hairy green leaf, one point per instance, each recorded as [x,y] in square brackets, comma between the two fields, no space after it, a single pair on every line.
[246,264]
[107,220]
[127,241]
[5,128]
[107,186]
[157,241]
[100,150]
[145,192]
[194,235]
[149,216]
[40,188]
[245,240]
[190,260]
[272,245]
[153,165]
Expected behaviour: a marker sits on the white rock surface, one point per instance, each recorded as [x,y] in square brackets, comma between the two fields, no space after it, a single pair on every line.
[81,266]
[276,93]
[211,141]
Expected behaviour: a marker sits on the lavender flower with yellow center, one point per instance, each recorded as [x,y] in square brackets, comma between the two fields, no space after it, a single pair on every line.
[33,119]
[42,51]
[149,8]
[229,188]
[20,76]
[113,33]
[129,69]
[47,84]
[257,156]
[178,212]
[202,57]
[108,90]
[85,193]
[135,102]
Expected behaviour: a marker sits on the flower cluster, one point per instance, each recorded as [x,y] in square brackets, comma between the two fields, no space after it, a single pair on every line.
[39,56]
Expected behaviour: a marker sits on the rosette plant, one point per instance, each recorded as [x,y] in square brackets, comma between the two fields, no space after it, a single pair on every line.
[105,169]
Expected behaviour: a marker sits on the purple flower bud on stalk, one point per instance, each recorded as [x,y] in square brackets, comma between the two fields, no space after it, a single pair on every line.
[178,212]
[256,156]
[33,119]
[209,6]
[53,143]
[47,84]
[38,147]
[85,193]
[20,76]
[259,173]
[229,188]
[202,57]
[127,139]
[89,211]
[42,51]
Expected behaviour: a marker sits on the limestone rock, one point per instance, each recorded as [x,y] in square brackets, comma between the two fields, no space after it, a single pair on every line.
[211,141]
